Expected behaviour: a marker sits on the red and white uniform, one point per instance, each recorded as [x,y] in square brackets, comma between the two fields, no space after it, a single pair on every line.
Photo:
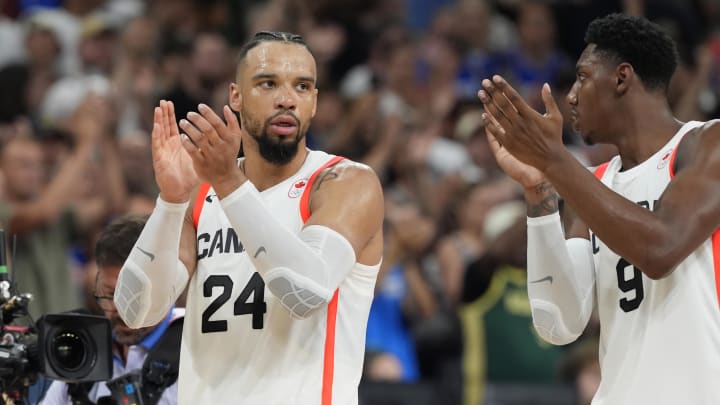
[660,339]
[240,345]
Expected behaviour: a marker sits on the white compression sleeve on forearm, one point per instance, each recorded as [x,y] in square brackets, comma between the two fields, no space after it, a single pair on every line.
[561,277]
[302,270]
[153,276]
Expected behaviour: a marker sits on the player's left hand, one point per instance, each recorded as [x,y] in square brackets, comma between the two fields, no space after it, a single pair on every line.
[531,137]
[213,145]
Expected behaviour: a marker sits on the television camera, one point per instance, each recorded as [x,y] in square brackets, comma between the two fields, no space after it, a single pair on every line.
[73,347]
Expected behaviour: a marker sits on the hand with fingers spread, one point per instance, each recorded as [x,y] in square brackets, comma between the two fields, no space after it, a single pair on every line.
[213,146]
[174,172]
[531,137]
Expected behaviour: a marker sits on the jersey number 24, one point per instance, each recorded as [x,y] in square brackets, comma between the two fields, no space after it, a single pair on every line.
[257,307]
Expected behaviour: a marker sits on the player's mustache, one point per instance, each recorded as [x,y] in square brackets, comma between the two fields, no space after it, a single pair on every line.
[284,112]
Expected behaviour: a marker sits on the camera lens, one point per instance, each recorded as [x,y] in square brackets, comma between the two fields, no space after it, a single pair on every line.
[69,349]
[75,347]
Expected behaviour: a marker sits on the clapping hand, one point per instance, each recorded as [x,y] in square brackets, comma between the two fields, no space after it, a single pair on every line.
[213,146]
[517,132]
[174,171]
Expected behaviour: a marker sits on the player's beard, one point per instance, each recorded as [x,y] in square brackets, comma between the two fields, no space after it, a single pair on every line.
[276,150]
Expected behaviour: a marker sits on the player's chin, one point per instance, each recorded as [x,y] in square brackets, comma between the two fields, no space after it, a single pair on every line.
[284,138]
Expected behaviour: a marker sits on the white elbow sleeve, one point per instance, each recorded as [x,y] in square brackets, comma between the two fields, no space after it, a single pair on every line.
[153,276]
[561,277]
[302,270]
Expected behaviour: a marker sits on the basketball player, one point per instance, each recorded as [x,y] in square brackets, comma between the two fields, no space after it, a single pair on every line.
[650,259]
[281,248]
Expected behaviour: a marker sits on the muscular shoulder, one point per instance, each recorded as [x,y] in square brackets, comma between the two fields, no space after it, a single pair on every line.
[701,145]
[351,184]
[347,174]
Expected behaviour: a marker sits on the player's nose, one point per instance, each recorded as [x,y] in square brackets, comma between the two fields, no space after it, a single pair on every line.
[285,99]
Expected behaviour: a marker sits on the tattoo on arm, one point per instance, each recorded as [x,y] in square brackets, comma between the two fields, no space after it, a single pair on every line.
[547,201]
[328,174]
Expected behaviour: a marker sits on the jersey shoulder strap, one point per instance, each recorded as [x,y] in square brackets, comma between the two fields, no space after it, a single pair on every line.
[305,199]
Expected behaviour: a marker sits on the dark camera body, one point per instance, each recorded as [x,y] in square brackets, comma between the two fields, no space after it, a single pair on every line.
[71,347]
[75,347]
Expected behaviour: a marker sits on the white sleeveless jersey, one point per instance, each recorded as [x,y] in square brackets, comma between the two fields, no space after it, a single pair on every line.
[240,345]
[660,339]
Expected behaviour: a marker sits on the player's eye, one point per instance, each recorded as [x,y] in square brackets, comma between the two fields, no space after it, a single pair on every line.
[267,84]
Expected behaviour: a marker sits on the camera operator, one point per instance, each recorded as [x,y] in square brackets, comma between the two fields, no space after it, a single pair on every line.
[131,347]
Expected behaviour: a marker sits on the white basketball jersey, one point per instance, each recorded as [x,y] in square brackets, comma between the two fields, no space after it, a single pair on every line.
[660,339]
[240,345]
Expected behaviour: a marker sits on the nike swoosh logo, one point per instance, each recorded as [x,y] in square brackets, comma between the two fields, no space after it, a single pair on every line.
[261,249]
[546,278]
[148,254]
[209,197]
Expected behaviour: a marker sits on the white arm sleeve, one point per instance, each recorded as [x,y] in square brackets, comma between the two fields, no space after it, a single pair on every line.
[153,276]
[561,280]
[302,270]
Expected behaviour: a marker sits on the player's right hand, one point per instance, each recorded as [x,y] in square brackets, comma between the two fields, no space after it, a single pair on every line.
[174,172]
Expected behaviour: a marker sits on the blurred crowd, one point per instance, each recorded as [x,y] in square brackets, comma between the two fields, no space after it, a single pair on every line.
[397,86]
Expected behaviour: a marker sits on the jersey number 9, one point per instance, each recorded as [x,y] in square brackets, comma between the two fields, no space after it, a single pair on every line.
[626,285]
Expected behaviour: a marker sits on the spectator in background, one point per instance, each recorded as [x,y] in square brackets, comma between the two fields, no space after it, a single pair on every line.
[138,172]
[480,41]
[581,368]
[501,346]
[26,82]
[97,47]
[456,250]
[136,77]
[49,215]
[206,76]
[402,296]
[536,59]
[469,129]
[11,32]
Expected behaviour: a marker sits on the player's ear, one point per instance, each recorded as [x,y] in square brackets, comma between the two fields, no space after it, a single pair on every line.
[624,75]
[234,98]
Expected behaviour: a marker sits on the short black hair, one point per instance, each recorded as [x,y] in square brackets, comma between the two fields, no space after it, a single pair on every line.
[635,40]
[117,239]
[267,36]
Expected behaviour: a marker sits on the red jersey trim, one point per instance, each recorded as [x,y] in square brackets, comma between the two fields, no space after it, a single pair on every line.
[329,354]
[600,170]
[716,260]
[199,203]
[305,199]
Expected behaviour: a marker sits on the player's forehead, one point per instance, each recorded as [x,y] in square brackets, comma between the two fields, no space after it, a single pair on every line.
[590,58]
[279,58]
